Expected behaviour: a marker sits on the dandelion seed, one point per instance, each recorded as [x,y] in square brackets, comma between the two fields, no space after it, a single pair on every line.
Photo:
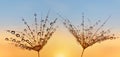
[86,36]
[34,38]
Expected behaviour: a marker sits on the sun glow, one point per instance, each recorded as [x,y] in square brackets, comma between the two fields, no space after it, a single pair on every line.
[60,55]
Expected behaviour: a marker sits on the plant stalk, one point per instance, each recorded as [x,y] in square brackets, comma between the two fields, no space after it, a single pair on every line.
[82,52]
[38,54]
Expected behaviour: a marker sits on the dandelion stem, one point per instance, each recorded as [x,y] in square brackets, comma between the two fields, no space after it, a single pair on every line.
[82,52]
[38,54]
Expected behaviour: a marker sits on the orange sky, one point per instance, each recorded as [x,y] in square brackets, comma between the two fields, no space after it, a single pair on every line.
[62,44]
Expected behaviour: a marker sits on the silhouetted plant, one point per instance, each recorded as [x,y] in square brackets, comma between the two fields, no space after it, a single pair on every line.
[87,35]
[34,38]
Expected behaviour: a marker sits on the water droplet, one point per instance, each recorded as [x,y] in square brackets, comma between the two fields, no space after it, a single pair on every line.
[82,24]
[6,39]
[47,29]
[43,25]
[21,45]
[39,33]
[45,35]
[91,27]
[25,30]
[8,30]
[12,32]
[18,41]
[35,14]
[13,40]
[70,25]
[33,30]
[16,45]
[42,20]
[51,34]
[41,39]
[32,33]
[51,23]
[27,41]
[28,48]
[17,35]
[98,20]
[48,37]
[23,39]
[23,20]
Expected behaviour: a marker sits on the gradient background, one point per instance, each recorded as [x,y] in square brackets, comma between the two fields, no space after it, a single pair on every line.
[62,44]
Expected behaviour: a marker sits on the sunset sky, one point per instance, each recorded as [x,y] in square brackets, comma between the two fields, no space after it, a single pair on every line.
[62,43]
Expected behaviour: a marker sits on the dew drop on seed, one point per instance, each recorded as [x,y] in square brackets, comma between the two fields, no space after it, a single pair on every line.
[16,45]
[18,41]
[12,32]
[6,39]
[22,19]
[13,40]
[27,41]
[8,30]
[51,23]
[42,20]
[39,33]
[17,35]
[25,30]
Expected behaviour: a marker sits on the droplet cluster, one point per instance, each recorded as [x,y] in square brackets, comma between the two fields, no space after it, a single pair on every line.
[33,38]
[89,35]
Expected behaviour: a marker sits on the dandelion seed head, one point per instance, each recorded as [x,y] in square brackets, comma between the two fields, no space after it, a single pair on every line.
[35,37]
[88,35]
